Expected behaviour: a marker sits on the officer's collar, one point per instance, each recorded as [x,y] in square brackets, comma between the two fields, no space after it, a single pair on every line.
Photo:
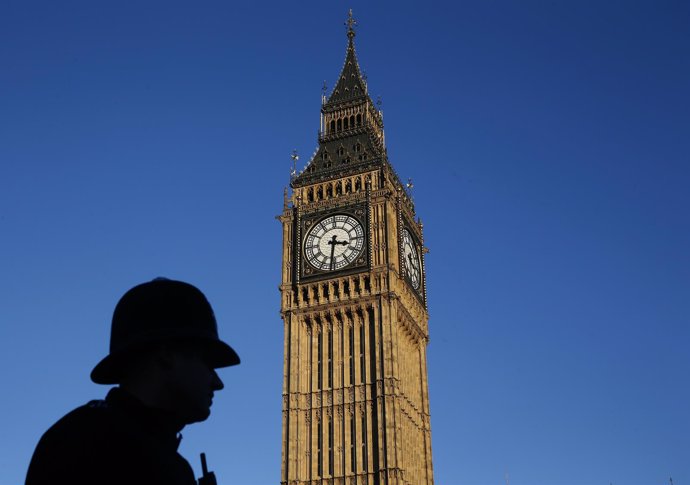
[158,422]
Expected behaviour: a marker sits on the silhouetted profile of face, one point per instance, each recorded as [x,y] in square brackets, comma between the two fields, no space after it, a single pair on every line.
[190,384]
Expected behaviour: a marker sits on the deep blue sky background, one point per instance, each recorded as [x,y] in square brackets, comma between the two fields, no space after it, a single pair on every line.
[549,146]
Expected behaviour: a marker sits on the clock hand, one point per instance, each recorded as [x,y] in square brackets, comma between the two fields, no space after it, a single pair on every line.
[333,242]
[413,263]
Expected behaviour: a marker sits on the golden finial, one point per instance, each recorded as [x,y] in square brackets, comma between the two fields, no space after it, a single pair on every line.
[351,22]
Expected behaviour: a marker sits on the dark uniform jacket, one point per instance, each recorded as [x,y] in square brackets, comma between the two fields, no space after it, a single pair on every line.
[115,441]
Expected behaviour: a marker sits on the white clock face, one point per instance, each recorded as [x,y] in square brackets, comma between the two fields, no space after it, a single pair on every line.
[334,242]
[411,260]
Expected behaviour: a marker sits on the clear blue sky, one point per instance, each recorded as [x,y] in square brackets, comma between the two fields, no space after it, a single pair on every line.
[549,143]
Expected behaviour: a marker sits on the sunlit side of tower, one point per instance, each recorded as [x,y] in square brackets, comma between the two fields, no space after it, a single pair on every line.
[353,303]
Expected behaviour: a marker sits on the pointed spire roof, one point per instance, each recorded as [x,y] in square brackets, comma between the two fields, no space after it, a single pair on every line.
[350,83]
[351,133]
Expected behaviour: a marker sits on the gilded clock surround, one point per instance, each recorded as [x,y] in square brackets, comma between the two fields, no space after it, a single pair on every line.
[355,391]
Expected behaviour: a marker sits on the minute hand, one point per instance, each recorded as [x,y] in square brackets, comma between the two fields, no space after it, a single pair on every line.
[333,242]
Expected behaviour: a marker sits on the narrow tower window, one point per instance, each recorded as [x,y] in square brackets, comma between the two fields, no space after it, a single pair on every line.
[330,446]
[319,353]
[364,442]
[319,444]
[330,359]
[351,356]
[353,450]
[362,370]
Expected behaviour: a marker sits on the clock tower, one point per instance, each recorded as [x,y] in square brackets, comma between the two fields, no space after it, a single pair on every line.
[353,303]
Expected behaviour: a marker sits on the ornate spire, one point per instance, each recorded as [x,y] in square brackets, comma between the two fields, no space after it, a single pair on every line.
[351,129]
[350,83]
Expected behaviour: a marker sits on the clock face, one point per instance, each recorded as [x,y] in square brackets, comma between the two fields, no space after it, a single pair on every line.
[334,242]
[411,259]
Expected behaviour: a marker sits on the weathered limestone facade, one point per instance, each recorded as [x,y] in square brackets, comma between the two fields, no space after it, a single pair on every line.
[355,393]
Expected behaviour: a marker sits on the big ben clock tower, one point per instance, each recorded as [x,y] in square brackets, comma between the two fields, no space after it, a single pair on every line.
[353,304]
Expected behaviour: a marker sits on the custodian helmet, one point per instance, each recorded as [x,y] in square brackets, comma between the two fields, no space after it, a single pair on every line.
[157,311]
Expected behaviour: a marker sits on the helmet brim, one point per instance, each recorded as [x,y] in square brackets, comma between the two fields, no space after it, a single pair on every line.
[110,369]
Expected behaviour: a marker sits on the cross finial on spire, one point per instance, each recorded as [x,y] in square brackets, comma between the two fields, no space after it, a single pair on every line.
[351,22]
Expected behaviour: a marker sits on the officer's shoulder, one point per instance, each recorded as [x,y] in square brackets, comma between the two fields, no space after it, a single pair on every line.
[83,439]
[91,419]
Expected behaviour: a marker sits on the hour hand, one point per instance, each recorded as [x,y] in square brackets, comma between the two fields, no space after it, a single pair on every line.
[413,262]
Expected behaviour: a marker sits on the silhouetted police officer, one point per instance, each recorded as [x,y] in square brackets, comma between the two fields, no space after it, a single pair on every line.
[164,347]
